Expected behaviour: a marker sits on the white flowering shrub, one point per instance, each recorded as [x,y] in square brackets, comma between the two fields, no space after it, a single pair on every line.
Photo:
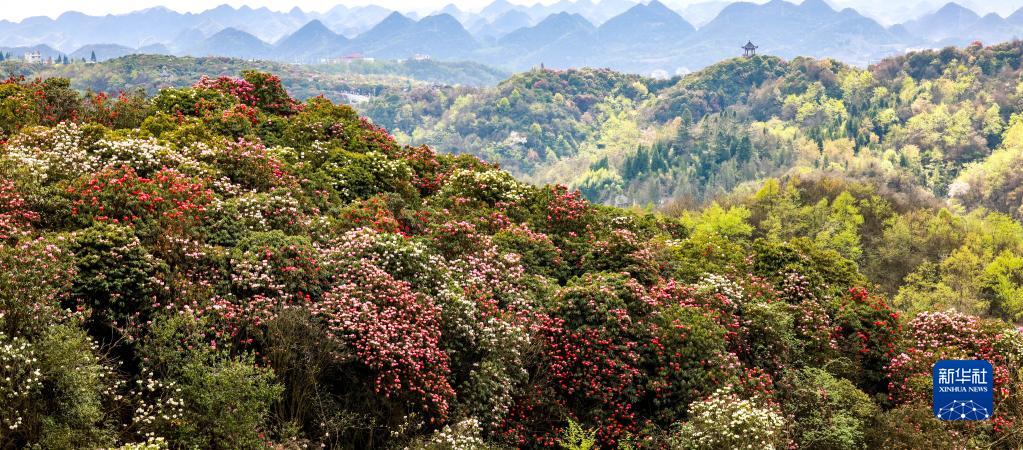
[718,284]
[157,403]
[405,259]
[151,443]
[20,380]
[387,168]
[362,175]
[231,219]
[463,435]
[726,421]
[52,389]
[491,186]
[494,375]
[144,155]
[484,330]
[53,154]
[275,210]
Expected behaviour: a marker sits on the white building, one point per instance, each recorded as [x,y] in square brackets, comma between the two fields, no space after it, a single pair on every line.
[33,57]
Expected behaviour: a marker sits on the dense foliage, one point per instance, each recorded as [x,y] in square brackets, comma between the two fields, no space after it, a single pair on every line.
[220,266]
[151,73]
[943,121]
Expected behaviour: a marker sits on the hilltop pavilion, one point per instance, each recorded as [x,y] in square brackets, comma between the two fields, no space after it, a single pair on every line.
[749,49]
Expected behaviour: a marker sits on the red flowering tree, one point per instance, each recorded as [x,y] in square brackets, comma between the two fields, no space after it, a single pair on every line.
[124,110]
[593,336]
[238,88]
[268,94]
[118,195]
[866,331]
[249,164]
[566,211]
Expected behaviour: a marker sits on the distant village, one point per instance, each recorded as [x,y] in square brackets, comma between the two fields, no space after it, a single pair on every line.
[34,57]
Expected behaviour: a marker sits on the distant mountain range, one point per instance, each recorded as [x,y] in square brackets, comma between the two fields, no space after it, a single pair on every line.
[649,38]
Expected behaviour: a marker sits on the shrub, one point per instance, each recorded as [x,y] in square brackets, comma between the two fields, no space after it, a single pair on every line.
[623,251]
[464,435]
[488,337]
[251,165]
[536,250]
[152,443]
[53,391]
[335,126]
[576,438]
[592,351]
[768,336]
[75,387]
[268,93]
[409,260]
[944,335]
[20,385]
[726,421]
[487,187]
[829,412]
[304,357]
[194,393]
[56,154]
[191,102]
[169,202]
[236,121]
[394,334]
[275,264]
[913,425]
[229,221]
[826,271]
[144,156]
[126,110]
[15,217]
[867,331]
[688,350]
[116,276]
[362,175]
[226,404]
[36,279]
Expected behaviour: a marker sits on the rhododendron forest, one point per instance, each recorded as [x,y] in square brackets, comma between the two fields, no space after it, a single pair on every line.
[222,266]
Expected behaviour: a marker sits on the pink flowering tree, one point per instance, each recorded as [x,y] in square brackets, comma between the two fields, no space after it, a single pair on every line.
[394,334]
[933,336]
[15,216]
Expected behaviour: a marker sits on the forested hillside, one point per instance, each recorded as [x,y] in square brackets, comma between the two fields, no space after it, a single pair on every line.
[533,119]
[944,121]
[221,266]
[151,73]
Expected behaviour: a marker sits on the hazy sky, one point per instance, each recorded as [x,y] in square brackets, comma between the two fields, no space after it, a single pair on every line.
[20,9]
